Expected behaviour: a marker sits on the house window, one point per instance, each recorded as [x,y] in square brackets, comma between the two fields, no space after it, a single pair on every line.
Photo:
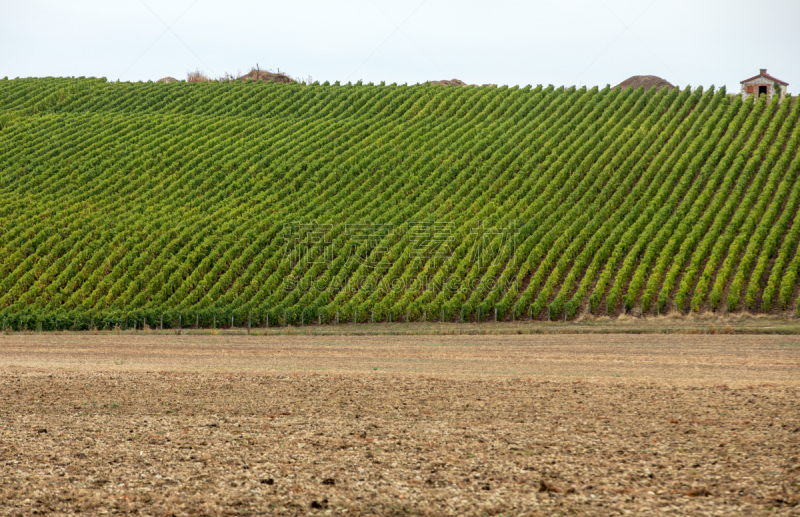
[762,90]
[750,89]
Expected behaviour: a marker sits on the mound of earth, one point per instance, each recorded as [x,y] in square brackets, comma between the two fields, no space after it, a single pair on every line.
[263,75]
[646,81]
[167,80]
[455,82]
[451,82]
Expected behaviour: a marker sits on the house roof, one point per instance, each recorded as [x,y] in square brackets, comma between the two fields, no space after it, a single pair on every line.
[766,76]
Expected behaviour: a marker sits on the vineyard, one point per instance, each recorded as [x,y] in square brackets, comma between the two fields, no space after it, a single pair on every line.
[252,204]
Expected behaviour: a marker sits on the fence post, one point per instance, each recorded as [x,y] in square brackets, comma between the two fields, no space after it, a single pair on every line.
[162,323]
[249,316]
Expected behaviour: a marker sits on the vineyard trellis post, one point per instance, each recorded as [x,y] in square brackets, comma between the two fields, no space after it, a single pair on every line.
[161,327]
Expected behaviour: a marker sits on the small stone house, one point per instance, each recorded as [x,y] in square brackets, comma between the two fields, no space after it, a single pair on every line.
[765,84]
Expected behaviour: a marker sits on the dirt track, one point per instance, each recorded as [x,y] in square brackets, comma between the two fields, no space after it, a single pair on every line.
[432,425]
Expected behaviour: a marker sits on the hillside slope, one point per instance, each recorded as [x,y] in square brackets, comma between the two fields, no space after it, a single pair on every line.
[216,202]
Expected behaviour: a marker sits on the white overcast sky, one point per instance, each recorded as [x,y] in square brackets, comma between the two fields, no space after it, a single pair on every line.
[560,42]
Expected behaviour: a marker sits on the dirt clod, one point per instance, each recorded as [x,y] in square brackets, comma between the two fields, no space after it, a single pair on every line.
[319,505]
[544,486]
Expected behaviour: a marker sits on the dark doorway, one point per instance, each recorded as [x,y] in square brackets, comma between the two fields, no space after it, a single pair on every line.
[762,90]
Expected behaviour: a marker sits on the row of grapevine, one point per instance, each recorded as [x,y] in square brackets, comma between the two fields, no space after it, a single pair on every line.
[198,203]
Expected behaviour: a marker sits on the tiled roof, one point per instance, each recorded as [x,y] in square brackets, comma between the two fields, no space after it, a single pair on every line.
[765,76]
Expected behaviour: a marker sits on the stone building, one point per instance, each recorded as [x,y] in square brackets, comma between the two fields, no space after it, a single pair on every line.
[763,83]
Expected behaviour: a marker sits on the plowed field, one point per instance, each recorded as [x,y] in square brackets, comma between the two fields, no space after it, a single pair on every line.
[399,425]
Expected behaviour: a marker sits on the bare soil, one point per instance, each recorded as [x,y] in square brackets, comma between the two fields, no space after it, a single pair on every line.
[646,81]
[399,425]
[263,75]
[451,82]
